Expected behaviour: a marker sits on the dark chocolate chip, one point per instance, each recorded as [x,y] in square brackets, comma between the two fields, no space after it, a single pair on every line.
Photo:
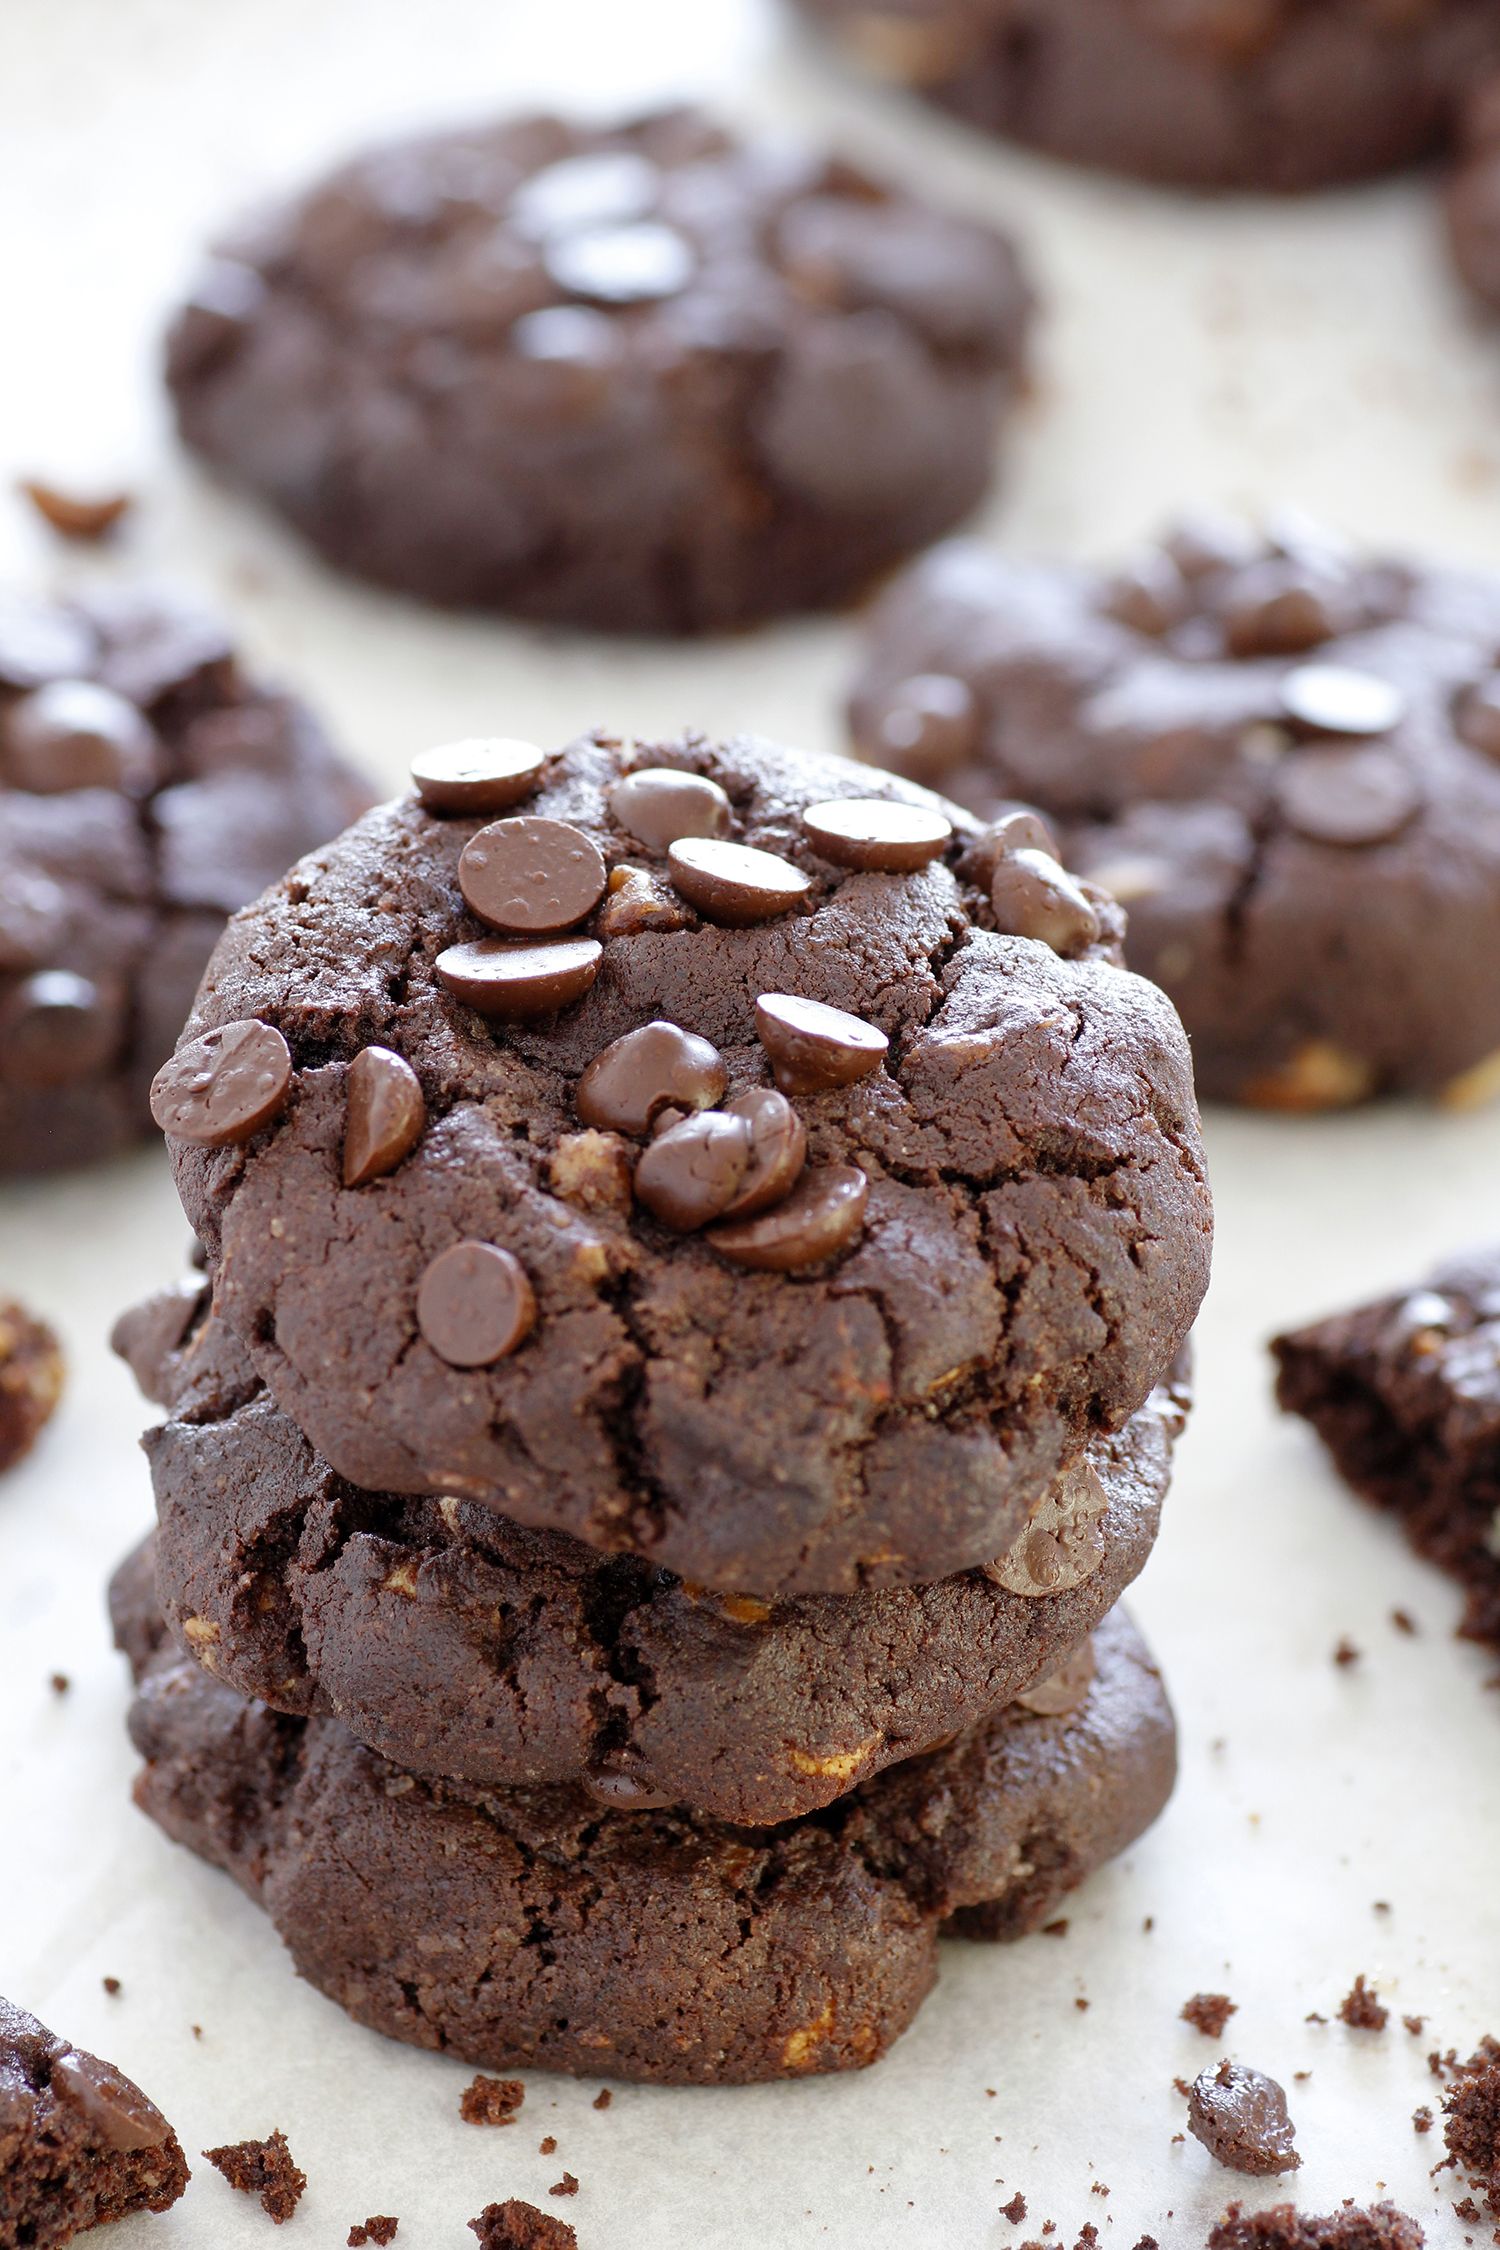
[1064,1690]
[117,2113]
[56,1028]
[220,1089]
[1353,797]
[519,981]
[734,883]
[823,1215]
[1478,717]
[621,265]
[1240,2116]
[1148,596]
[814,1047]
[778,1151]
[475,1304]
[604,187]
[623,1790]
[1022,831]
[692,1173]
[1062,1544]
[480,776]
[625,1088]
[1336,699]
[658,805]
[384,1114]
[925,727]
[1034,897]
[531,877]
[876,834]
[1277,609]
[74,734]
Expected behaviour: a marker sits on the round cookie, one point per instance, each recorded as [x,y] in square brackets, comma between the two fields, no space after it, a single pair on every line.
[1281,757]
[527,1928]
[1271,94]
[807,1342]
[1472,195]
[643,377]
[147,789]
[455,1643]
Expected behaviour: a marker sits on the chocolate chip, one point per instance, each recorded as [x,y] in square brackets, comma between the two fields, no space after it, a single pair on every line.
[692,1173]
[876,834]
[926,727]
[658,805]
[1149,596]
[1021,831]
[822,1216]
[117,2112]
[481,776]
[1277,609]
[518,982]
[220,1089]
[1353,797]
[39,642]
[1062,1545]
[1478,717]
[56,1028]
[33,912]
[734,883]
[1033,897]
[814,1047]
[1203,543]
[384,1114]
[627,1086]
[475,1304]
[1240,2116]
[778,1151]
[623,1790]
[1335,699]
[627,265]
[1064,1690]
[530,876]
[602,188]
[74,734]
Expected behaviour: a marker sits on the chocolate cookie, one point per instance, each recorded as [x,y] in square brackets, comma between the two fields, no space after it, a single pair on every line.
[1405,1393]
[642,377]
[1283,758]
[621,1284]
[529,1928]
[1278,94]
[32,1374]
[456,1643]
[79,2144]
[147,789]
[1472,196]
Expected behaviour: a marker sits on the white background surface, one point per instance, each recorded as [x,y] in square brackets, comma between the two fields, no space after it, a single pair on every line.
[1313,353]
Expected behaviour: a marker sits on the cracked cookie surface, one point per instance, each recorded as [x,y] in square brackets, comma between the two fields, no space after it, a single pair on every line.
[1282,756]
[458,1644]
[1030,1237]
[529,1928]
[641,377]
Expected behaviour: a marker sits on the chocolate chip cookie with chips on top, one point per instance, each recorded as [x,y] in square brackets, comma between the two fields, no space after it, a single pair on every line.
[707,1151]
[1280,755]
[643,377]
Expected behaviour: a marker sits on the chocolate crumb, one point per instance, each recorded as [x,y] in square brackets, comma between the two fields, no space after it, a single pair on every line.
[1442,2065]
[1422,2119]
[1362,2010]
[1209,2012]
[1080,2003]
[1346,1653]
[1404,1622]
[1299,2075]
[265,2169]
[1471,2127]
[1059,1928]
[1148,2242]
[1183,2087]
[1240,2116]
[1283,2227]
[548,2147]
[491,2101]
[59,1683]
[1382,1906]
[1098,2188]
[31,1380]
[603,2098]
[1015,2210]
[1314,2017]
[521,2226]
[112,1985]
[71,516]
[1416,2025]
[378,2230]
[567,2185]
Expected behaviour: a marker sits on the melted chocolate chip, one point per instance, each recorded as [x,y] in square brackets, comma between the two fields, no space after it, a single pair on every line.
[1062,1544]
[691,1173]
[1335,699]
[1241,2118]
[531,877]
[658,806]
[475,1304]
[823,1215]
[778,1151]
[384,1114]
[1352,797]
[1034,897]
[814,1047]
[117,2113]
[876,834]
[625,1088]
[481,776]
[733,883]
[517,982]
[220,1089]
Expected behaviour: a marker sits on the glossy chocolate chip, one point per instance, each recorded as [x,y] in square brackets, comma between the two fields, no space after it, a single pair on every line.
[1033,897]
[1063,1544]
[1335,699]
[383,1117]
[623,1790]
[626,1088]
[1350,797]
[220,1089]
[814,1047]
[691,1173]
[604,187]
[480,776]
[1478,717]
[823,1216]
[621,265]
[74,734]
[531,877]
[56,1028]
[734,883]
[1022,831]
[778,1151]
[475,1304]
[1064,1690]
[658,805]
[517,982]
[875,834]
[117,2113]
[925,727]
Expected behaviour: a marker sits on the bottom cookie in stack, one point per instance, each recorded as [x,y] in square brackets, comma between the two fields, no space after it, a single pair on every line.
[530,1926]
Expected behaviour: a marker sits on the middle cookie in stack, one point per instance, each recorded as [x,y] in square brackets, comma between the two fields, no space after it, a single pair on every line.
[697,1263]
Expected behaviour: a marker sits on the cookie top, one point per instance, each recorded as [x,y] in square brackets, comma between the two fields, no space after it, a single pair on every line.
[457,1643]
[1282,757]
[661,1946]
[148,787]
[813,1340]
[642,376]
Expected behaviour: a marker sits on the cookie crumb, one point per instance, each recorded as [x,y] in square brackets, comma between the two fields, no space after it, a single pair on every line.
[1416,2025]
[1015,2210]
[491,2101]
[1346,1653]
[1421,2119]
[69,514]
[1080,2004]
[1284,2227]
[265,2169]
[1405,1623]
[1240,2116]
[567,2185]
[31,1381]
[1209,2012]
[1471,2127]
[603,2098]
[112,1986]
[1059,1928]
[1362,2010]
[378,2230]
[59,1683]
[521,2226]
[548,2147]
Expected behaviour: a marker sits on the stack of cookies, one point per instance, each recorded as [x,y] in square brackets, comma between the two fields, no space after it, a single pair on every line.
[699,1243]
